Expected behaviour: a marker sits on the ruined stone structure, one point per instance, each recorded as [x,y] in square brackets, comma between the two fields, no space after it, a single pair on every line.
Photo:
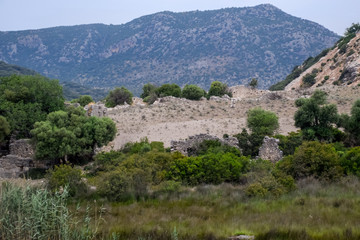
[269,150]
[19,161]
[187,146]
[96,109]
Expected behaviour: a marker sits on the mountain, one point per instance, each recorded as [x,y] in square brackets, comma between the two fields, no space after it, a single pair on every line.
[232,45]
[339,65]
[9,69]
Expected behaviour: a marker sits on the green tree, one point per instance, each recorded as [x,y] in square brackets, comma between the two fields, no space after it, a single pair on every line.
[4,128]
[25,100]
[118,96]
[253,83]
[148,89]
[83,100]
[218,89]
[71,134]
[192,92]
[168,90]
[351,124]
[308,80]
[315,118]
[262,122]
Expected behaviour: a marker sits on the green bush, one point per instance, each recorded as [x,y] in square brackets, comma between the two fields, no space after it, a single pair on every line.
[208,169]
[218,89]
[116,186]
[118,96]
[351,161]
[289,143]
[192,92]
[83,100]
[64,175]
[168,90]
[308,80]
[256,190]
[318,160]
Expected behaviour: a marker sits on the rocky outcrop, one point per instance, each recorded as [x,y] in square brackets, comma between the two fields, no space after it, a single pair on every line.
[269,150]
[189,145]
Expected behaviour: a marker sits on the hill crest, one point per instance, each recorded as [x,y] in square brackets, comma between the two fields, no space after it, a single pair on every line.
[232,45]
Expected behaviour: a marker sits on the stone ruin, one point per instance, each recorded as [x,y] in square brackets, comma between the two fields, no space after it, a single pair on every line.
[96,109]
[19,161]
[187,146]
[269,150]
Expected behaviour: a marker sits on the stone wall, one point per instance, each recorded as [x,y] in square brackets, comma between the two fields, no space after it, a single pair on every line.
[269,150]
[189,144]
[20,159]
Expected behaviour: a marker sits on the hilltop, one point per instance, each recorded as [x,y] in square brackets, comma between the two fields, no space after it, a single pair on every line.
[230,45]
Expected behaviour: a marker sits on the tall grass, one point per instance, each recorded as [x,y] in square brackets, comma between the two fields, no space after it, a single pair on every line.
[34,213]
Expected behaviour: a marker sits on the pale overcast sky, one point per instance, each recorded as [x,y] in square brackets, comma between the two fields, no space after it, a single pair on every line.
[335,15]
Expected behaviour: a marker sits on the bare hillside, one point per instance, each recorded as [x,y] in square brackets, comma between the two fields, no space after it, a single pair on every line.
[174,119]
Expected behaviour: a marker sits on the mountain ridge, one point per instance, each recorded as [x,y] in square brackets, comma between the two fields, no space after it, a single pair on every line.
[231,45]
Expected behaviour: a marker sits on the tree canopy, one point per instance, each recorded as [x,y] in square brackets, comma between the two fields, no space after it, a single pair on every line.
[169,90]
[262,122]
[25,100]
[83,100]
[71,134]
[315,118]
[219,89]
[192,92]
[118,96]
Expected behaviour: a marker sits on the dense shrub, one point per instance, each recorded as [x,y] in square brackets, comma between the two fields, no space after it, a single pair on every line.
[313,159]
[83,100]
[218,89]
[118,96]
[308,80]
[192,92]
[211,168]
[265,179]
[351,161]
[134,174]
[168,90]
[65,175]
[148,89]
[351,124]
[290,142]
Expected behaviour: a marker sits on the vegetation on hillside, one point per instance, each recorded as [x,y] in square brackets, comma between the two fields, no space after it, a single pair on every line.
[309,79]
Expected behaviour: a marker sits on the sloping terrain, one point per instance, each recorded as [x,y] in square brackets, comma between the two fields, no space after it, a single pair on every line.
[175,119]
[340,66]
[230,45]
[9,69]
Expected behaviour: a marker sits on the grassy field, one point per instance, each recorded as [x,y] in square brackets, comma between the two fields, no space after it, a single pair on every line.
[313,211]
